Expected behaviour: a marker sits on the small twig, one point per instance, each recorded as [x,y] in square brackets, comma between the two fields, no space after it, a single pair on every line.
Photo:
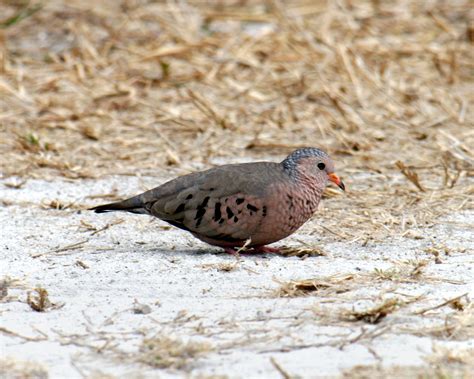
[107,227]
[422,312]
[374,333]
[82,264]
[15,184]
[410,175]
[352,340]
[280,369]
[15,334]
[39,300]
[333,232]
[206,109]
[79,370]
[73,246]
[243,248]
[111,195]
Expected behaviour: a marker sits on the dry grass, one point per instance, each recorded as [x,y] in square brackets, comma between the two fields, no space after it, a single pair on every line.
[381,372]
[444,363]
[14,369]
[322,286]
[223,267]
[165,87]
[6,284]
[374,314]
[167,352]
[458,325]
[408,271]
[301,252]
[38,300]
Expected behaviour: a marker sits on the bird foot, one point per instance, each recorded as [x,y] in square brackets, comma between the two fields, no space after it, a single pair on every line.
[231,251]
[253,250]
[266,250]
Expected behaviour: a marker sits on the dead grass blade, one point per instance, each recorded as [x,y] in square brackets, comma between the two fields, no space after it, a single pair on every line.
[410,175]
[167,352]
[22,14]
[73,246]
[7,283]
[38,300]
[12,368]
[375,314]
[297,288]
[301,252]
[455,303]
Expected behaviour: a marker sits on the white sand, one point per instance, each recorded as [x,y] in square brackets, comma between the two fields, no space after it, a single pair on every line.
[96,332]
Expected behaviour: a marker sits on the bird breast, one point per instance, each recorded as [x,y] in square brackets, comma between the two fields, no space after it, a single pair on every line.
[288,209]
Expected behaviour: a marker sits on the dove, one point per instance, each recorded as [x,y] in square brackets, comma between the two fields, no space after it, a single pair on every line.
[249,204]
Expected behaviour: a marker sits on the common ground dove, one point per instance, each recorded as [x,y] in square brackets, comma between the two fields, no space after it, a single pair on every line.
[251,204]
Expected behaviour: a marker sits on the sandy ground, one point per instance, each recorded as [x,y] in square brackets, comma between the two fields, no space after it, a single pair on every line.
[93,88]
[131,296]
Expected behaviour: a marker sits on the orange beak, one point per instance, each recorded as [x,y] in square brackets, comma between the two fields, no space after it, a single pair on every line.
[335,179]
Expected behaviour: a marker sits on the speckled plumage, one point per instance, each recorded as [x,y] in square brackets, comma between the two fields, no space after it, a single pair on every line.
[227,205]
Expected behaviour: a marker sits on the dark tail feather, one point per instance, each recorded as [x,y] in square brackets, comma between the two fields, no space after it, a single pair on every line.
[133,205]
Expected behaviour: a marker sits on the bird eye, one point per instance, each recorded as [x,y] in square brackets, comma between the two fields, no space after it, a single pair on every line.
[321,166]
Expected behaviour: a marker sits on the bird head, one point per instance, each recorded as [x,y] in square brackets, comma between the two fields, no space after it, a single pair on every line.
[312,164]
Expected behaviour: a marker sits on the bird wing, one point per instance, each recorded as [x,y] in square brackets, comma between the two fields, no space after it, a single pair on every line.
[226,203]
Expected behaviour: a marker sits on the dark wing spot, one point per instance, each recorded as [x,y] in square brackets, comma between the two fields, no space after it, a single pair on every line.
[199,215]
[201,211]
[204,202]
[180,208]
[308,201]
[240,200]
[211,189]
[217,212]
[189,197]
[236,219]
[264,211]
[230,214]
[252,208]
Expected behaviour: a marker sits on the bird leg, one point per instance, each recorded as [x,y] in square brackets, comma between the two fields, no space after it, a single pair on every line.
[237,253]
[231,251]
[253,250]
[266,249]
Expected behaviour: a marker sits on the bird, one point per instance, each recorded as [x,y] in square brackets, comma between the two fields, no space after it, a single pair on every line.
[248,205]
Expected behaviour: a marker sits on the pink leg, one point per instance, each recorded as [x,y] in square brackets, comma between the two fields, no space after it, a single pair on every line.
[230,251]
[266,249]
[253,250]
[236,253]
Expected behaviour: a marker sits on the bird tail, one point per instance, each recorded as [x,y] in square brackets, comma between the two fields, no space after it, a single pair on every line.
[132,205]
